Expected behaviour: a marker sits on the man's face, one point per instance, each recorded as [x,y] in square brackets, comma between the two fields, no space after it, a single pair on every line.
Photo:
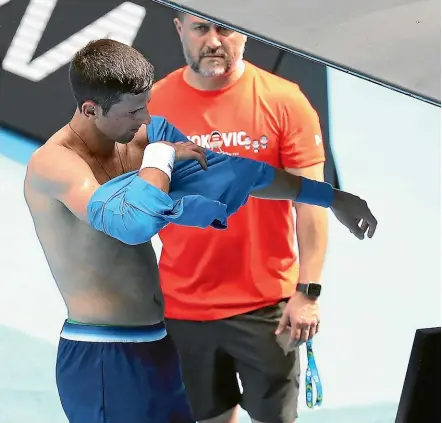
[124,118]
[210,50]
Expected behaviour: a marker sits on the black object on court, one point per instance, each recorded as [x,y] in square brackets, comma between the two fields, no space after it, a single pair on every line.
[420,400]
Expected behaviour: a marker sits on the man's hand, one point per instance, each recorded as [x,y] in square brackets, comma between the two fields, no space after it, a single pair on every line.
[301,317]
[189,151]
[353,212]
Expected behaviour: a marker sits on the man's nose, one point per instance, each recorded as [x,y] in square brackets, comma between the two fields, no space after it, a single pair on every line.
[213,39]
[146,118]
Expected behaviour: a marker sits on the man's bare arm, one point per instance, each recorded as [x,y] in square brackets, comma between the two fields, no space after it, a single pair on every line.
[350,210]
[284,186]
[59,173]
[130,209]
[311,229]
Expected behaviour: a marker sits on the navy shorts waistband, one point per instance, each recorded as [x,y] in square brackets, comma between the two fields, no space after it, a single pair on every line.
[95,333]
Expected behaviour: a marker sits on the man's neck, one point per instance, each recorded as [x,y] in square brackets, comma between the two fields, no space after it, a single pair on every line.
[204,83]
[87,133]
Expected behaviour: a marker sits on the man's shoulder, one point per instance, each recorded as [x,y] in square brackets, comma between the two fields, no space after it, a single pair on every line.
[53,157]
[43,167]
[167,94]
[169,81]
[274,85]
[279,93]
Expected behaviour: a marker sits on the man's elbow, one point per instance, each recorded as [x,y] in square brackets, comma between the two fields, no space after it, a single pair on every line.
[130,209]
[132,234]
[131,227]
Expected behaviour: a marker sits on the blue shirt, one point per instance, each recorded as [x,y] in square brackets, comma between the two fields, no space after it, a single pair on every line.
[131,210]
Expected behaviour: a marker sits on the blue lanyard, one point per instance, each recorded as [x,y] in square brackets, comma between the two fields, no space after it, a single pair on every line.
[312,376]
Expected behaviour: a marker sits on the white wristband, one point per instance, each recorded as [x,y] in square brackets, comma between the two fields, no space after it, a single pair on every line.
[159,156]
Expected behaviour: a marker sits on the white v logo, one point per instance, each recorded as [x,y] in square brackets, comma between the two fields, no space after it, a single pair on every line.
[121,24]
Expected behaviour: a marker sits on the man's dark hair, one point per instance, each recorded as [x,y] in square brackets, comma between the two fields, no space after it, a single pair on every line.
[104,70]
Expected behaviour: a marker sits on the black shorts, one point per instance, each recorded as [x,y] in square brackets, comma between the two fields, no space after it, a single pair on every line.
[213,352]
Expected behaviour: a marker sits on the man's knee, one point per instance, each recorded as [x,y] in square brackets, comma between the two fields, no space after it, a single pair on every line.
[230,416]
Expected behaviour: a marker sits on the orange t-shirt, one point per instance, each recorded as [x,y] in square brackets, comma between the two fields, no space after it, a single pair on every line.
[212,274]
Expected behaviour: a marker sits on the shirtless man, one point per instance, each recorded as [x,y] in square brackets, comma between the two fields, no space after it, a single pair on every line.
[98,190]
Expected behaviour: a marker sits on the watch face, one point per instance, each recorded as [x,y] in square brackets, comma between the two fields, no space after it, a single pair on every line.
[314,290]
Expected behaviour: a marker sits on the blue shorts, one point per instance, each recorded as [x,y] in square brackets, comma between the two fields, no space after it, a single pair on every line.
[120,375]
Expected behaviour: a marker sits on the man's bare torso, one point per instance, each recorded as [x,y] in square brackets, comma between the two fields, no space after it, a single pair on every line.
[102,280]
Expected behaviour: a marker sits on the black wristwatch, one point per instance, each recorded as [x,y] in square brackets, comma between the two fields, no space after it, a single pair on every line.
[310,289]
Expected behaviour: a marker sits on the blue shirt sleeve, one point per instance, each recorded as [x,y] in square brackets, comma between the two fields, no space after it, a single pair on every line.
[229,180]
[131,210]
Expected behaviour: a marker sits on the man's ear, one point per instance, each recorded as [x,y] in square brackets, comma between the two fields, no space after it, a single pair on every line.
[89,109]
[178,26]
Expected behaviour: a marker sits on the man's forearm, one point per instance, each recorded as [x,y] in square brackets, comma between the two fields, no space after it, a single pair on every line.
[311,229]
[134,207]
[157,165]
[311,221]
[286,186]
[156,178]
[130,209]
